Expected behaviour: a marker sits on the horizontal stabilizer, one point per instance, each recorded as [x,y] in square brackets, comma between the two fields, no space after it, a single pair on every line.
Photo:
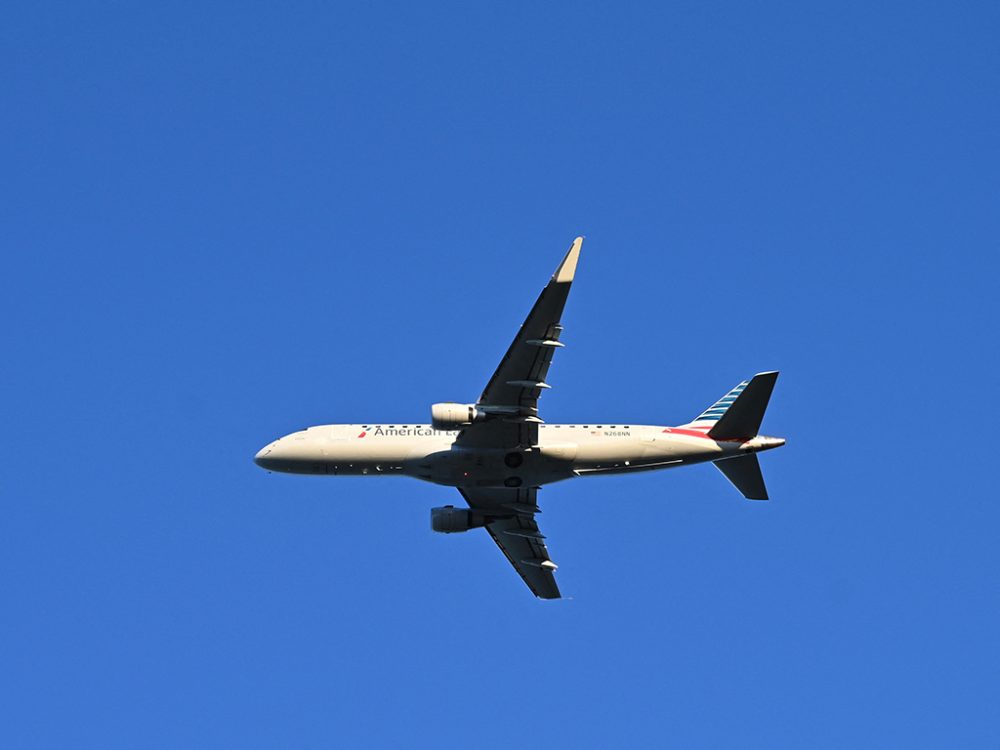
[742,418]
[744,473]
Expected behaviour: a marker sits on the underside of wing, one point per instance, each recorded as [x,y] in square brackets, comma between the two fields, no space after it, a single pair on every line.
[510,399]
[514,529]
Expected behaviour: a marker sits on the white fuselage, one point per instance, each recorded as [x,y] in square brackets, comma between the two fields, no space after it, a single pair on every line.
[562,452]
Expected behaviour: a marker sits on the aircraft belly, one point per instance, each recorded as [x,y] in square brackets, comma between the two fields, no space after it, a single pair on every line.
[628,455]
[606,452]
[369,456]
[465,467]
[682,449]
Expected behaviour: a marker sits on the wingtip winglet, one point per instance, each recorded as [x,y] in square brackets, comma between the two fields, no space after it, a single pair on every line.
[567,269]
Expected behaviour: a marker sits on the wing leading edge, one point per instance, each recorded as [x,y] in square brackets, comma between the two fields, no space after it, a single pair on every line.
[516,533]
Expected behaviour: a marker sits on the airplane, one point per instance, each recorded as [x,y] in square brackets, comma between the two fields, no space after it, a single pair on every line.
[498,453]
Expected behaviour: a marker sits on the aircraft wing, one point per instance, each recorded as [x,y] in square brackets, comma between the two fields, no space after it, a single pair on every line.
[512,393]
[516,533]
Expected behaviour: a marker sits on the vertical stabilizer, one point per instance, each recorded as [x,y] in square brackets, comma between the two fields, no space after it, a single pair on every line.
[738,414]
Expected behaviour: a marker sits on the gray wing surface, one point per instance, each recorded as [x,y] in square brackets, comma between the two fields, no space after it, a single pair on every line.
[516,533]
[512,393]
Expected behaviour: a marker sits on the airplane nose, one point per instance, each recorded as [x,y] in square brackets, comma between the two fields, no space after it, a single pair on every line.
[292,453]
[261,459]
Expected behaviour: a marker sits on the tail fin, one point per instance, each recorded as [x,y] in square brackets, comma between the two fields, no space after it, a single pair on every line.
[744,473]
[738,414]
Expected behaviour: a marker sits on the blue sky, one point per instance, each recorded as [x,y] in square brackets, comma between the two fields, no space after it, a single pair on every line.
[223,223]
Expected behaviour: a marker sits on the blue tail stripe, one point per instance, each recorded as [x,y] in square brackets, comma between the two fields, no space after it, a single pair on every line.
[716,410]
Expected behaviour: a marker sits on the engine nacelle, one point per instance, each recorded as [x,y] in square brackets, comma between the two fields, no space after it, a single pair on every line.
[451,520]
[449,416]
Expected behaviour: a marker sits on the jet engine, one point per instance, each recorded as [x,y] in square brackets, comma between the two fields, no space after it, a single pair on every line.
[450,520]
[449,416]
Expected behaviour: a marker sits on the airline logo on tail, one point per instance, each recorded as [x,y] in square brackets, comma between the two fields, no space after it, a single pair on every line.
[714,413]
